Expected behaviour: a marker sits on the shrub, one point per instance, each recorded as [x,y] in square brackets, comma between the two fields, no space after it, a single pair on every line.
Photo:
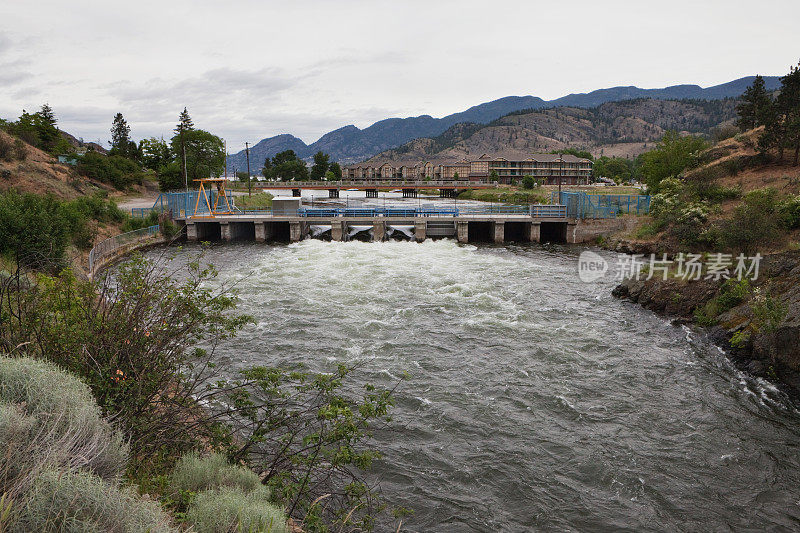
[132,224]
[689,224]
[752,223]
[195,474]
[722,133]
[49,418]
[768,313]
[20,150]
[713,193]
[82,502]
[528,182]
[119,171]
[231,509]
[6,149]
[732,293]
[789,212]
[33,228]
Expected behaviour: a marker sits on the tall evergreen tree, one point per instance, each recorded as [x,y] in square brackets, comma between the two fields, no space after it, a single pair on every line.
[755,106]
[783,121]
[184,122]
[45,123]
[788,105]
[120,135]
[48,117]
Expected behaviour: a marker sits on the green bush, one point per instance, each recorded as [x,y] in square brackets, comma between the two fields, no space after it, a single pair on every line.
[81,502]
[132,224]
[195,474]
[528,182]
[753,223]
[789,212]
[768,313]
[731,293]
[50,418]
[119,171]
[231,509]
[33,228]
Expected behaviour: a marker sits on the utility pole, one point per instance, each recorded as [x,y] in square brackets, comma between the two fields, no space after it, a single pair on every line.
[247,151]
[183,156]
[185,177]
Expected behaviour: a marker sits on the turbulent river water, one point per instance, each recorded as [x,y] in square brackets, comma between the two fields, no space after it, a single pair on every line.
[533,401]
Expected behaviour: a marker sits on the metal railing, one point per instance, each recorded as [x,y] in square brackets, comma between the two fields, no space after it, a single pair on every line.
[535,210]
[111,244]
[383,182]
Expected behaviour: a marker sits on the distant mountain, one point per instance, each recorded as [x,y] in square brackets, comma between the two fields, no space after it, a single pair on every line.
[350,144]
[623,128]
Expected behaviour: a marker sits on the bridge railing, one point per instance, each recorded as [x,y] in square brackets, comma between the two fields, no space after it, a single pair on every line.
[433,184]
[110,245]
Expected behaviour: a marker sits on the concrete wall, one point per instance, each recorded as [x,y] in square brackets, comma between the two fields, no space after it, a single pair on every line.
[589,230]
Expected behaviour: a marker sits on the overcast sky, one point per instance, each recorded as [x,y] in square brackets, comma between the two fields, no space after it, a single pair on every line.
[252,69]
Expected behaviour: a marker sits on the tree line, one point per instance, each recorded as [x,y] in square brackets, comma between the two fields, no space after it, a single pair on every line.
[779,114]
[286,166]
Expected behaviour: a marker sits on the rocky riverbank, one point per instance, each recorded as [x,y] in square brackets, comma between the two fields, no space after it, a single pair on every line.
[757,323]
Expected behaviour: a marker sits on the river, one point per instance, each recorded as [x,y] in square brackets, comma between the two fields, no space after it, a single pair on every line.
[533,401]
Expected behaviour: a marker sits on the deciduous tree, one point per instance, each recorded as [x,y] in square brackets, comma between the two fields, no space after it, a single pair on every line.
[320,167]
[205,153]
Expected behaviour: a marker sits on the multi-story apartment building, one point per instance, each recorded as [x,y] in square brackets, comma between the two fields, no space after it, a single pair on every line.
[504,168]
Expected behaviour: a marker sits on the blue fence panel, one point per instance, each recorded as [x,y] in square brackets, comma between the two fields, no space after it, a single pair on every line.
[582,205]
[182,204]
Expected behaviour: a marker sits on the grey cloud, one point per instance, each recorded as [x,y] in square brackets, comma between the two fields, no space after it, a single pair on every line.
[14,72]
[218,84]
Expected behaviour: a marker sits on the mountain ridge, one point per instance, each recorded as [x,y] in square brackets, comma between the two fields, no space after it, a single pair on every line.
[351,144]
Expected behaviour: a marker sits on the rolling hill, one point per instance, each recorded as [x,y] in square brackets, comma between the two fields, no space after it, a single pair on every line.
[350,144]
[615,128]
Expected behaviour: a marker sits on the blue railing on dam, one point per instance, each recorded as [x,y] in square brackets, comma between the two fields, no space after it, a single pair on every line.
[582,205]
[180,204]
[539,211]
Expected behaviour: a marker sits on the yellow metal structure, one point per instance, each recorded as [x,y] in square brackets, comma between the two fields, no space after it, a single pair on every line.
[215,209]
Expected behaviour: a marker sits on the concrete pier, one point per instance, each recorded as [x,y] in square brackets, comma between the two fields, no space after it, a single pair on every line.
[499,232]
[378,230]
[534,231]
[337,230]
[191,232]
[462,231]
[420,231]
[225,231]
[296,231]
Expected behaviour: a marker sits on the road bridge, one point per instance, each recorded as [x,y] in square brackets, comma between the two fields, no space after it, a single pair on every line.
[410,189]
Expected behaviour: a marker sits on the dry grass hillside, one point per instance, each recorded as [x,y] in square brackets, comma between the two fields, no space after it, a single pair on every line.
[623,129]
[38,172]
[735,162]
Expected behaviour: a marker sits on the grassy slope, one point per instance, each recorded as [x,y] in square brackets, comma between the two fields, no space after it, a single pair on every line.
[41,173]
[734,163]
